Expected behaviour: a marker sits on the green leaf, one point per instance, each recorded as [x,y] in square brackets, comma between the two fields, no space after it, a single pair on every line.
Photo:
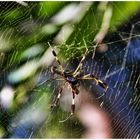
[48,8]
[122,12]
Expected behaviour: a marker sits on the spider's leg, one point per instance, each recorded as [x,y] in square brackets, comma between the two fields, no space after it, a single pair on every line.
[73,103]
[103,85]
[56,58]
[57,98]
[97,80]
[81,62]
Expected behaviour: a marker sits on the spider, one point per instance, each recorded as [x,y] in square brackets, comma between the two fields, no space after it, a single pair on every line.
[73,79]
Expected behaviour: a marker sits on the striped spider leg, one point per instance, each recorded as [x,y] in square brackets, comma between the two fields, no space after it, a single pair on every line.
[75,91]
[97,80]
[56,71]
[56,58]
[57,98]
[79,67]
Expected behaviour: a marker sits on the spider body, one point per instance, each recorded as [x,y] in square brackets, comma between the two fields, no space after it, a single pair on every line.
[73,79]
[73,82]
[69,78]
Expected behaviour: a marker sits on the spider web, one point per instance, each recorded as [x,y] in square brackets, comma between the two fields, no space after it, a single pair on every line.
[118,67]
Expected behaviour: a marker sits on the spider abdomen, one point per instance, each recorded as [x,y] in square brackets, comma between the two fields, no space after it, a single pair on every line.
[72,80]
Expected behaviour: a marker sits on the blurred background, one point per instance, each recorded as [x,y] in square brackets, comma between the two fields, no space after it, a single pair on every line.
[110,31]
